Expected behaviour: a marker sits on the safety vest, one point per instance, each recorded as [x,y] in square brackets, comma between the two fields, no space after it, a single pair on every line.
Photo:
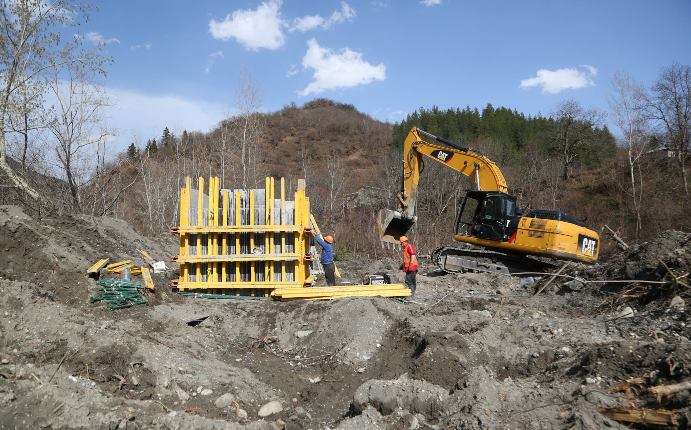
[410,258]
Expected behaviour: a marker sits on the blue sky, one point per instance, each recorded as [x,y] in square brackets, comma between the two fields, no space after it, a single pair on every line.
[178,63]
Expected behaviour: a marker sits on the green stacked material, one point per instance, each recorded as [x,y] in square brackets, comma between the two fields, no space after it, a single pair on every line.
[118,294]
[218,296]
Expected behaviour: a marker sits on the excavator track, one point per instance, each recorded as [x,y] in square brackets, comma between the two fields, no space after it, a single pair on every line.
[469,258]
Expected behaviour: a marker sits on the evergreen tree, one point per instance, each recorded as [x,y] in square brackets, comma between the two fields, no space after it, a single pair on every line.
[151,147]
[132,152]
[166,138]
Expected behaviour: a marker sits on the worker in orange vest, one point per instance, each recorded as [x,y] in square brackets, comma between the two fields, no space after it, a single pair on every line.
[409,265]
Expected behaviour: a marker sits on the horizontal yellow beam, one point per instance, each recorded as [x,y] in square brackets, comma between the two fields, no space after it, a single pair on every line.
[238,257]
[110,267]
[404,292]
[341,288]
[239,285]
[97,266]
[239,229]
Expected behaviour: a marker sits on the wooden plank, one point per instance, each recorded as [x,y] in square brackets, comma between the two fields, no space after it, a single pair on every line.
[616,237]
[554,276]
[147,257]
[148,281]
[113,266]
[95,268]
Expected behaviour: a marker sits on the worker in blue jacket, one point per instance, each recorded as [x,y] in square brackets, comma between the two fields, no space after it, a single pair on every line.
[327,258]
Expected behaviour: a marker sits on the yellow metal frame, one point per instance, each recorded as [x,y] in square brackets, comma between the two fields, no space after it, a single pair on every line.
[229,248]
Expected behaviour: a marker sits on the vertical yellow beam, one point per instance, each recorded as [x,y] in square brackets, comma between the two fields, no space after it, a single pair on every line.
[252,263]
[270,249]
[302,241]
[237,235]
[213,222]
[200,222]
[267,221]
[224,243]
[184,222]
[283,222]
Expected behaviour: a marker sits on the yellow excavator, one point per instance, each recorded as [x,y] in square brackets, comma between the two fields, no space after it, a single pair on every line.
[495,236]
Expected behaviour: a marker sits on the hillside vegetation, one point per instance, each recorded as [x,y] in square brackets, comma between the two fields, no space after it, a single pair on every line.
[352,166]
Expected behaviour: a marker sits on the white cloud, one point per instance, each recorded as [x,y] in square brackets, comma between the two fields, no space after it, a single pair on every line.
[212,60]
[97,39]
[307,23]
[338,70]
[253,28]
[292,71]
[430,3]
[138,116]
[146,46]
[310,22]
[555,81]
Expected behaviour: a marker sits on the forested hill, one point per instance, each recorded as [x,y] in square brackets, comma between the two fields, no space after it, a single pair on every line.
[506,132]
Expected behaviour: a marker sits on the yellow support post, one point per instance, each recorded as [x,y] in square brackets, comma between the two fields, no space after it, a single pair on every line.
[237,235]
[283,221]
[224,242]
[252,264]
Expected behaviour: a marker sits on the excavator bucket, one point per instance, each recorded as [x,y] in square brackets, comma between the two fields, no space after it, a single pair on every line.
[392,225]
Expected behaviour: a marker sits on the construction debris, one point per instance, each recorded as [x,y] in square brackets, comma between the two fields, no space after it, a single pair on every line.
[658,417]
[118,294]
[158,266]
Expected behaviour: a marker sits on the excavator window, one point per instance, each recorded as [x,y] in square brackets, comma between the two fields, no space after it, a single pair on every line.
[486,215]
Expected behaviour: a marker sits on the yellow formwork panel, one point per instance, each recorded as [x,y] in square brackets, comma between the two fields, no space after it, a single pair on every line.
[227,242]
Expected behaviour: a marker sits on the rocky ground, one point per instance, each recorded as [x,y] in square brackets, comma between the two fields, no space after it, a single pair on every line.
[471,350]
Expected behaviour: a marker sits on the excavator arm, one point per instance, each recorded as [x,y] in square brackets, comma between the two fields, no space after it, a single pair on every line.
[483,172]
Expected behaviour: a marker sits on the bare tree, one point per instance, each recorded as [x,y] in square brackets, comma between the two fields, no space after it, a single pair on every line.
[77,127]
[30,45]
[574,131]
[248,125]
[628,105]
[27,116]
[337,175]
[670,105]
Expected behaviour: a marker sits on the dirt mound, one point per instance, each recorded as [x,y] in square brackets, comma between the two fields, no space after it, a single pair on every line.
[54,253]
[651,261]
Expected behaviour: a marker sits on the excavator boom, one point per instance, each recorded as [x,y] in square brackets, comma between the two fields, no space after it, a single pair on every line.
[469,162]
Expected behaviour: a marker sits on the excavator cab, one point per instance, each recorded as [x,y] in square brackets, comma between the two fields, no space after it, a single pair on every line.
[487,215]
